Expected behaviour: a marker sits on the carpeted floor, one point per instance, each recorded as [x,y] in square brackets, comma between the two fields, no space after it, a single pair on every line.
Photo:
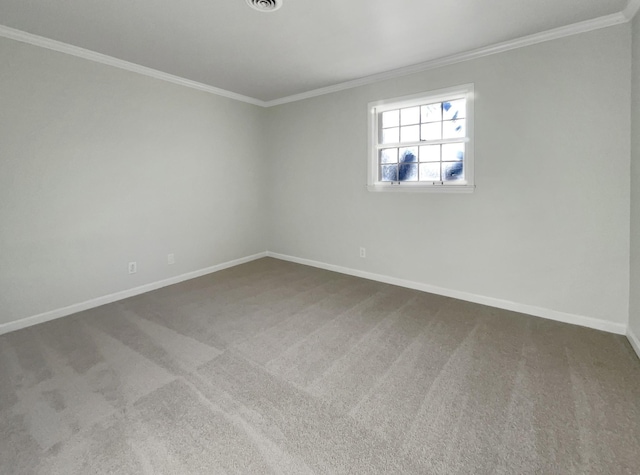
[274,367]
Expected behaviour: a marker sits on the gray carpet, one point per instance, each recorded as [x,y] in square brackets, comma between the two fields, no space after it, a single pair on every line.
[273,367]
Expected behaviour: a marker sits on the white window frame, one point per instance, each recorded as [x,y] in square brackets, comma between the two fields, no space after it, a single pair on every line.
[375,110]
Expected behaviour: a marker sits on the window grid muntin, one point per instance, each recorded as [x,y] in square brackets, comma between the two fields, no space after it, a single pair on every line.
[463,184]
[420,160]
[422,119]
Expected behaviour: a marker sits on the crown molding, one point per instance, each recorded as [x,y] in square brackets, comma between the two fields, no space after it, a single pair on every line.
[24,37]
[582,27]
[556,33]
[632,8]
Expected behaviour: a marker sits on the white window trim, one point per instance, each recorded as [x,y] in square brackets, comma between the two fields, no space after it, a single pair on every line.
[374,108]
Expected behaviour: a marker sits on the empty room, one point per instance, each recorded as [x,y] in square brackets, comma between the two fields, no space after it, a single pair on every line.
[300,237]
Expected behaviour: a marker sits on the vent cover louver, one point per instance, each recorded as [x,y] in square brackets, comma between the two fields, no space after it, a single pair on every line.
[265,5]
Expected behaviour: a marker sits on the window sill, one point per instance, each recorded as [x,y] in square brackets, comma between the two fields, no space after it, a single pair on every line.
[423,188]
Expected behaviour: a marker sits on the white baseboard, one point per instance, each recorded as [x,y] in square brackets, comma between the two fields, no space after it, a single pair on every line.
[634,340]
[79,307]
[581,320]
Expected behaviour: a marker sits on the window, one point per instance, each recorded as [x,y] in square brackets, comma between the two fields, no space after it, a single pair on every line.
[422,142]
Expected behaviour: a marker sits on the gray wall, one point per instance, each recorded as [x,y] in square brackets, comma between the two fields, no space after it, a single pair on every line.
[634,302]
[100,166]
[548,224]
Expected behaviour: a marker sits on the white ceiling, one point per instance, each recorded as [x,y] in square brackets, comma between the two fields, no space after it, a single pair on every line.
[306,45]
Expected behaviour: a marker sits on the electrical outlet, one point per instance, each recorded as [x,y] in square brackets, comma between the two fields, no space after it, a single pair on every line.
[363,252]
[133,267]
[171,259]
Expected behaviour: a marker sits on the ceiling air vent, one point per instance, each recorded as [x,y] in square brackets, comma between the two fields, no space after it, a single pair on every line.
[265,5]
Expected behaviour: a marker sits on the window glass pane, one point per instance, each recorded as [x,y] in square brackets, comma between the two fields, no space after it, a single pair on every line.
[409,154]
[430,171]
[452,110]
[410,133]
[452,151]
[452,171]
[430,153]
[453,129]
[389,155]
[391,119]
[389,173]
[410,116]
[423,141]
[408,172]
[431,113]
[391,135]
[431,131]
